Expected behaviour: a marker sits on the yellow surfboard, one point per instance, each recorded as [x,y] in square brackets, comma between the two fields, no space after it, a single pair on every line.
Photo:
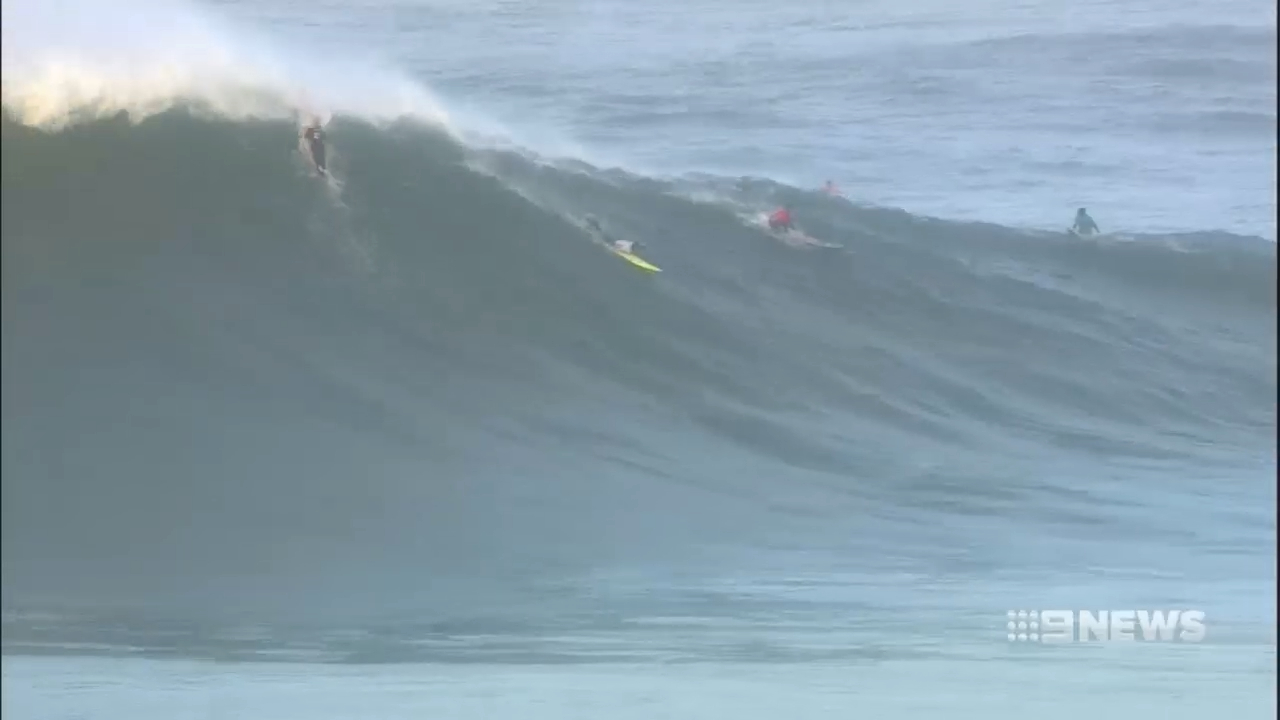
[637,261]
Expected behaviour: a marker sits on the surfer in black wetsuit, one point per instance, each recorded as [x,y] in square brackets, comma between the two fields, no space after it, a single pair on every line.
[314,135]
[1084,224]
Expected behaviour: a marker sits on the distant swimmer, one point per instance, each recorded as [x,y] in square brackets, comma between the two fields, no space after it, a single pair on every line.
[314,137]
[780,219]
[1084,224]
[626,246]
[831,189]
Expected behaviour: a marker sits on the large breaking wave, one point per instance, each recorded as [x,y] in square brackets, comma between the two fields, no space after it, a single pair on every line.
[230,387]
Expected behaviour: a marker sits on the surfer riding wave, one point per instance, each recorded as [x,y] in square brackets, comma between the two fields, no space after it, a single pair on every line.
[1084,225]
[313,135]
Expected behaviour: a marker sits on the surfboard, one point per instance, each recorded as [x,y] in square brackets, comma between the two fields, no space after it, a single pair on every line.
[636,260]
[608,245]
[795,238]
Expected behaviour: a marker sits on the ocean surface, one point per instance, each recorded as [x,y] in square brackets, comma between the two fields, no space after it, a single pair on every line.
[404,442]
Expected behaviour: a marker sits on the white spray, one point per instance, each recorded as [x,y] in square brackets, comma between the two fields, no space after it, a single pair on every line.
[64,60]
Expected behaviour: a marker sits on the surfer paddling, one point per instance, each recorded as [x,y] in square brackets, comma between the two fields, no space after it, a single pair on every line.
[783,228]
[626,246]
[780,219]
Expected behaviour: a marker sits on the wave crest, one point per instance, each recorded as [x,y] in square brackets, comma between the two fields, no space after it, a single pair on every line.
[75,60]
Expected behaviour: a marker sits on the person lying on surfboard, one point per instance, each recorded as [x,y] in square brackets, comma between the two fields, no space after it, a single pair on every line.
[626,246]
[314,135]
[1084,224]
[780,219]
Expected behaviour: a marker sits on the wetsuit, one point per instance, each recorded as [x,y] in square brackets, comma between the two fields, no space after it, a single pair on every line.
[315,142]
[1084,224]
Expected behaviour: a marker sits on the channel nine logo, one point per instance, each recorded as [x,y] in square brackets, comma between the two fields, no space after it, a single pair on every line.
[1082,626]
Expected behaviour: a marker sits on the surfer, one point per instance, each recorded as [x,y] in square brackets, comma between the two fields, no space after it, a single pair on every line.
[831,189]
[626,246]
[314,136]
[1084,224]
[780,219]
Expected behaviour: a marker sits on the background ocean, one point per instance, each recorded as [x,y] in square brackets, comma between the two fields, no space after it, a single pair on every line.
[405,443]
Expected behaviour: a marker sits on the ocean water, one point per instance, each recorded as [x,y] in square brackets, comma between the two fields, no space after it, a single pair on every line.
[404,442]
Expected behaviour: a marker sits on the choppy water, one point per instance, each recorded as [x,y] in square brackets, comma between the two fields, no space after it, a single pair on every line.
[407,441]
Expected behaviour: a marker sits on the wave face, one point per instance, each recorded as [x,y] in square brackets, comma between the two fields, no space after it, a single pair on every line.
[233,392]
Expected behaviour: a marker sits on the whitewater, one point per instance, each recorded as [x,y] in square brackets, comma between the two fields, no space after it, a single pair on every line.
[406,442]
